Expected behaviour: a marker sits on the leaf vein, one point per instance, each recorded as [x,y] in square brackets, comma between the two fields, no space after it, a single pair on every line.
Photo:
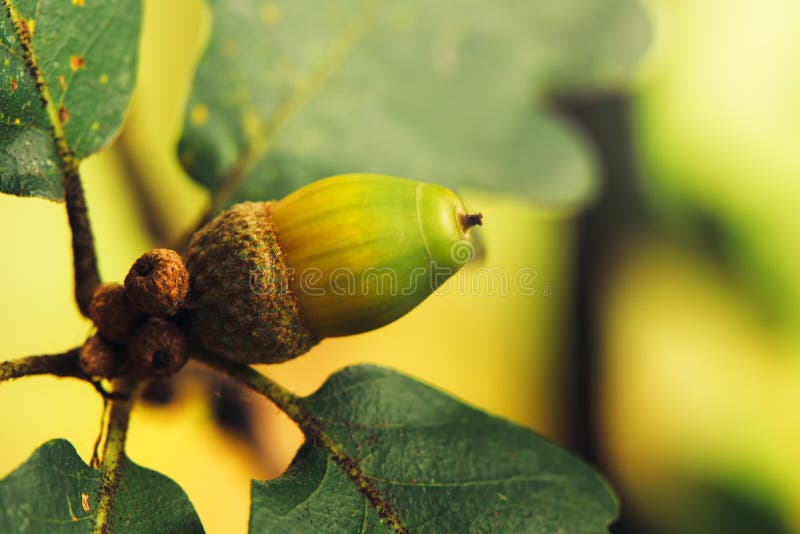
[11,51]
[339,392]
[313,83]
[470,483]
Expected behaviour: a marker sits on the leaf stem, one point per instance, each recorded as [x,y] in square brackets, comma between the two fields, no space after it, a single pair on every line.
[114,453]
[311,426]
[87,276]
[64,364]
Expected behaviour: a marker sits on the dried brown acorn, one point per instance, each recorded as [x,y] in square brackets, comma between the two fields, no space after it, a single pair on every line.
[158,282]
[113,314]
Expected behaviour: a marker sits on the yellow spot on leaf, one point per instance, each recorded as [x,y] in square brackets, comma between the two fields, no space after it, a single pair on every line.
[29,26]
[78,3]
[271,14]
[104,79]
[95,126]
[6,62]
[199,114]
[76,62]
[85,502]
[16,121]
[63,114]
[61,81]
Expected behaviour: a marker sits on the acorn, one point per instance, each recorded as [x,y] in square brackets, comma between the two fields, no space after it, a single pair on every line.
[113,314]
[158,348]
[100,358]
[340,256]
[158,282]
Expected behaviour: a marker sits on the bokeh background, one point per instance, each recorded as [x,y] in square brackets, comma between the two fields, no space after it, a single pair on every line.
[663,341]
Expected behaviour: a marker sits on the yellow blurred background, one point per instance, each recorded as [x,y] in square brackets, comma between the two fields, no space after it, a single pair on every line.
[699,308]
[696,308]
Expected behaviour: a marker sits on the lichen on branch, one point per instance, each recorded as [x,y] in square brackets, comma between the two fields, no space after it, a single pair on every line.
[64,364]
[114,451]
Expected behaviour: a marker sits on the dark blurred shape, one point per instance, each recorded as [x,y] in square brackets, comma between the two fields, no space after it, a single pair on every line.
[230,409]
[159,392]
[605,120]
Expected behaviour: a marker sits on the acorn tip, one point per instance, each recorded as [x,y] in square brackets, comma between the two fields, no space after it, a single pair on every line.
[471,219]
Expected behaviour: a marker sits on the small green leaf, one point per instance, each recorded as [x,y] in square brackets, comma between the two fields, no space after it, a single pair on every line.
[67,71]
[450,91]
[53,489]
[431,463]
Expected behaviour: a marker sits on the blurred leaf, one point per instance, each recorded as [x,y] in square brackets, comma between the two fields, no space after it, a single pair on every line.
[439,465]
[50,493]
[86,54]
[451,91]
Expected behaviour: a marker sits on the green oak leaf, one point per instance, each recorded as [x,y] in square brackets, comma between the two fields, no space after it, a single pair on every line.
[392,447]
[450,91]
[48,493]
[84,55]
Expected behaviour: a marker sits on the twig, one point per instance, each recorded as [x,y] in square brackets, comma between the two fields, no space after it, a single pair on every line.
[252,379]
[64,364]
[311,426]
[114,455]
[150,209]
[181,244]
[87,276]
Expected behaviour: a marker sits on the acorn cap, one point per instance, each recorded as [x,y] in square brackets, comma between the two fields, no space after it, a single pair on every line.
[240,304]
[158,282]
[113,314]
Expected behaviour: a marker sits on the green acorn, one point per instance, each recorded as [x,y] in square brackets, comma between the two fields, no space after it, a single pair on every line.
[340,256]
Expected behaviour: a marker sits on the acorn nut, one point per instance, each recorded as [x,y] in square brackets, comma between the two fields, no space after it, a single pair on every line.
[158,282]
[99,358]
[157,348]
[340,256]
[113,314]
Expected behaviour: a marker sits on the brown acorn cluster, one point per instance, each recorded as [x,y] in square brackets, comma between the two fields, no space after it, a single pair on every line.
[136,333]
